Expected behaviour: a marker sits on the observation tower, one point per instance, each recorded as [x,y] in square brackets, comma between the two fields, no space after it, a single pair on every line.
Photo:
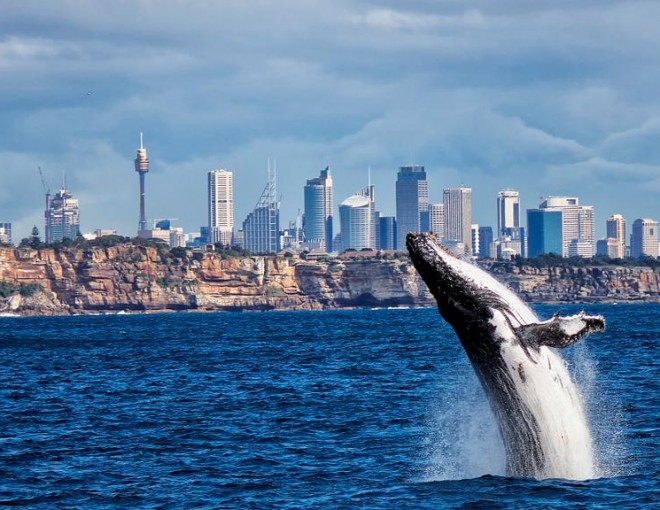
[142,167]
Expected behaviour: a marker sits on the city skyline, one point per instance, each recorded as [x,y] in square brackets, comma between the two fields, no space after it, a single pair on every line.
[491,97]
[579,221]
[568,233]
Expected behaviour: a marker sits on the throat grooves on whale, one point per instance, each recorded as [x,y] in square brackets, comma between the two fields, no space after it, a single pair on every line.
[550,414]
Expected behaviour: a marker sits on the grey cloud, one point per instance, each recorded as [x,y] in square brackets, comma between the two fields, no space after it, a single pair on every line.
[543,96]
[604,172]
[636,145]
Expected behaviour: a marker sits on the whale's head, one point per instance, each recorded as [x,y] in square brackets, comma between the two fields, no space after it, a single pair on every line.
[466,294]
[472,301]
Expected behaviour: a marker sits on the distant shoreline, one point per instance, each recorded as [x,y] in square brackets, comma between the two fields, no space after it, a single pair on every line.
[133,279]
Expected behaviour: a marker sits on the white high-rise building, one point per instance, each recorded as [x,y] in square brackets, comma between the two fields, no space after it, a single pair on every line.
[616,229]
[644,240]
[357,218]
[458,216]
[437,220]
[508,210]
[510,239]
[578,225]
[318,212]
[221,206]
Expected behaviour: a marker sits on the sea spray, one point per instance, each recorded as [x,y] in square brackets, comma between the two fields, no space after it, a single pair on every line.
[463,441]
[603,411]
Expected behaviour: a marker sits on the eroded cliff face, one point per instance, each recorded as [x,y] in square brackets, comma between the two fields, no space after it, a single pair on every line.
[133,278]
[586,284]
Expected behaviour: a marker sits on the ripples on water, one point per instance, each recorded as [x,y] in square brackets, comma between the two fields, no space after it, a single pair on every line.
[341,409]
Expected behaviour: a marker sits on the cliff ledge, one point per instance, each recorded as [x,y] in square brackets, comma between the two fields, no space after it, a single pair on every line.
[129,278]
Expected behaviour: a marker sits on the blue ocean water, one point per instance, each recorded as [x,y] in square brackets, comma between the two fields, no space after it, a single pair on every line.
[335,409]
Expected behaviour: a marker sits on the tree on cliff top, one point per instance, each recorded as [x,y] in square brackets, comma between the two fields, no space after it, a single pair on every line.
[33,241]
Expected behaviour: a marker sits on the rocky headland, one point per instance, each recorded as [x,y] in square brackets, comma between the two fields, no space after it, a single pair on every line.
[131,278]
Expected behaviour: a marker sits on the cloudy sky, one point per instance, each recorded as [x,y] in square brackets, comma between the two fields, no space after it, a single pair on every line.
[547,97]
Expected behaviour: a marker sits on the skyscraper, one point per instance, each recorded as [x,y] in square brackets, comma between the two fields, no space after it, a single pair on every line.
[357,217]
[261,228]
[142,167]
[510,236]
[644,240]
[412,201]
[437,220]
[62,217]
[458,216]
[508,210]
[221,206]
[318,211]
[578,225]
[387,233]
[616,229]
[485,242]
[544,228]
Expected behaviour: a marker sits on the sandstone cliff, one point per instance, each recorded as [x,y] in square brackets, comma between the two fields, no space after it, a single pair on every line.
[137,278]
[585,284]
[134,278]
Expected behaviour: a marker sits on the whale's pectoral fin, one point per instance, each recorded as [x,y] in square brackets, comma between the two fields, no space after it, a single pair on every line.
[560,331]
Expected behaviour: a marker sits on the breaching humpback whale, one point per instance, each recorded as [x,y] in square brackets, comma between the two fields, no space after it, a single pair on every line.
[538,409]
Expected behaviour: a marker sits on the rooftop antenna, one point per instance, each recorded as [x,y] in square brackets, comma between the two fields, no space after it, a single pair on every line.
[275,178]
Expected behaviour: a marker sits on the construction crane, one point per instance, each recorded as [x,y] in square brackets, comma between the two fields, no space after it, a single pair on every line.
[47,192]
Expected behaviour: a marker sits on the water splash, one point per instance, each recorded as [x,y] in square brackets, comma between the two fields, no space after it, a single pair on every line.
[603,410]
[463,441]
